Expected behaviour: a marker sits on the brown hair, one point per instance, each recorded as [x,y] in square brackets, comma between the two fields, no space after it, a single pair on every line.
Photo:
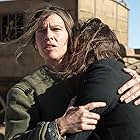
[93,41]
[35,18]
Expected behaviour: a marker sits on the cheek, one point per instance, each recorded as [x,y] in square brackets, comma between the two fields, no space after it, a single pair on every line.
[64,48]
[64,40]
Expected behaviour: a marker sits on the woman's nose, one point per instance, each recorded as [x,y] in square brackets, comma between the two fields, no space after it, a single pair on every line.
[49,35]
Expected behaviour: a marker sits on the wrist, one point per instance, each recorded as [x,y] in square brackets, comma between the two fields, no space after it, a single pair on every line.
[61,126]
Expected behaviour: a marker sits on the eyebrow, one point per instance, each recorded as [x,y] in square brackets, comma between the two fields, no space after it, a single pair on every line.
[56,25]
[53,25]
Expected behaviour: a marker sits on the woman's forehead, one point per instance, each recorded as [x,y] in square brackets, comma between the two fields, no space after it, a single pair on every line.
[53,19]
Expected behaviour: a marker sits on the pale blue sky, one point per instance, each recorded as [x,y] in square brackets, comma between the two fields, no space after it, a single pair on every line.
[134,23]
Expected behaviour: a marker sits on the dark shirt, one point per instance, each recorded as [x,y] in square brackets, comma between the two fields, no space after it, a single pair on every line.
[119,121]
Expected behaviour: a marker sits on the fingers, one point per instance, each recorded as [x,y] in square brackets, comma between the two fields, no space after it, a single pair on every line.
[93,105]
[132,94]
[131,88]
[135,80]
[92,115]
[80,118]
[137,102]
[87,127]
[89,118]
[88,121]
[129,84]
[83,127]
[91,122]
[130,71]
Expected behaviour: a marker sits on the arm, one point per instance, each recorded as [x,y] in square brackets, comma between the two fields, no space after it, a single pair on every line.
[20,124]
[22,115]
[23,120]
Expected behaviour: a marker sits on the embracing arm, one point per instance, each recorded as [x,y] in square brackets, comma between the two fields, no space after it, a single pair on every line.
[20,124]
[23,120]
[22,115]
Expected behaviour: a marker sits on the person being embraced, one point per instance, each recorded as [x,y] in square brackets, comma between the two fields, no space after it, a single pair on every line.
[38,106]
[101,75]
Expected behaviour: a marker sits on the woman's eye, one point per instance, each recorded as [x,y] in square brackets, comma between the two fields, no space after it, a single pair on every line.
[56,29]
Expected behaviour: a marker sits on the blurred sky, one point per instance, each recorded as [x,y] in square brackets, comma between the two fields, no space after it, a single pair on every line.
[134,23]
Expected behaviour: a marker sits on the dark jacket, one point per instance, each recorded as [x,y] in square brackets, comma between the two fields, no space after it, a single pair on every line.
[119,121]
[35,103]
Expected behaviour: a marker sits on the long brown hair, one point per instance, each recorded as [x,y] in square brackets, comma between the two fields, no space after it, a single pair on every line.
[34,19]
[93,41]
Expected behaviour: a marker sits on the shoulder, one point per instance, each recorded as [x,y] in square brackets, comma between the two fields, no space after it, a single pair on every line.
[35,83]
[110,69]
[107,64]
[106,68]
[40,79]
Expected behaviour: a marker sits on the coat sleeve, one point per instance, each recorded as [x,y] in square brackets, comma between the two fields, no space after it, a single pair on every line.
[19,125]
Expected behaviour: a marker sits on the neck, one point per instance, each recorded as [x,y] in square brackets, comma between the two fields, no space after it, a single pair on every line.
[54,65]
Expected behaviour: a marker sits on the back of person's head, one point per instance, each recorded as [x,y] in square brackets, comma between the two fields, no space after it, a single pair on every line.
[93,41]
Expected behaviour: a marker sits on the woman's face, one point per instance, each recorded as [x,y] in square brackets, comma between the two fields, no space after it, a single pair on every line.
[52,39]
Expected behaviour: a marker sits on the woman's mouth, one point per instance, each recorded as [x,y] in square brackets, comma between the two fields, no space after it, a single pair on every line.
[49,47]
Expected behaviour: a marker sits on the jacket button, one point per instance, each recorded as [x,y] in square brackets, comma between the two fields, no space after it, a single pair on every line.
[27,91]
